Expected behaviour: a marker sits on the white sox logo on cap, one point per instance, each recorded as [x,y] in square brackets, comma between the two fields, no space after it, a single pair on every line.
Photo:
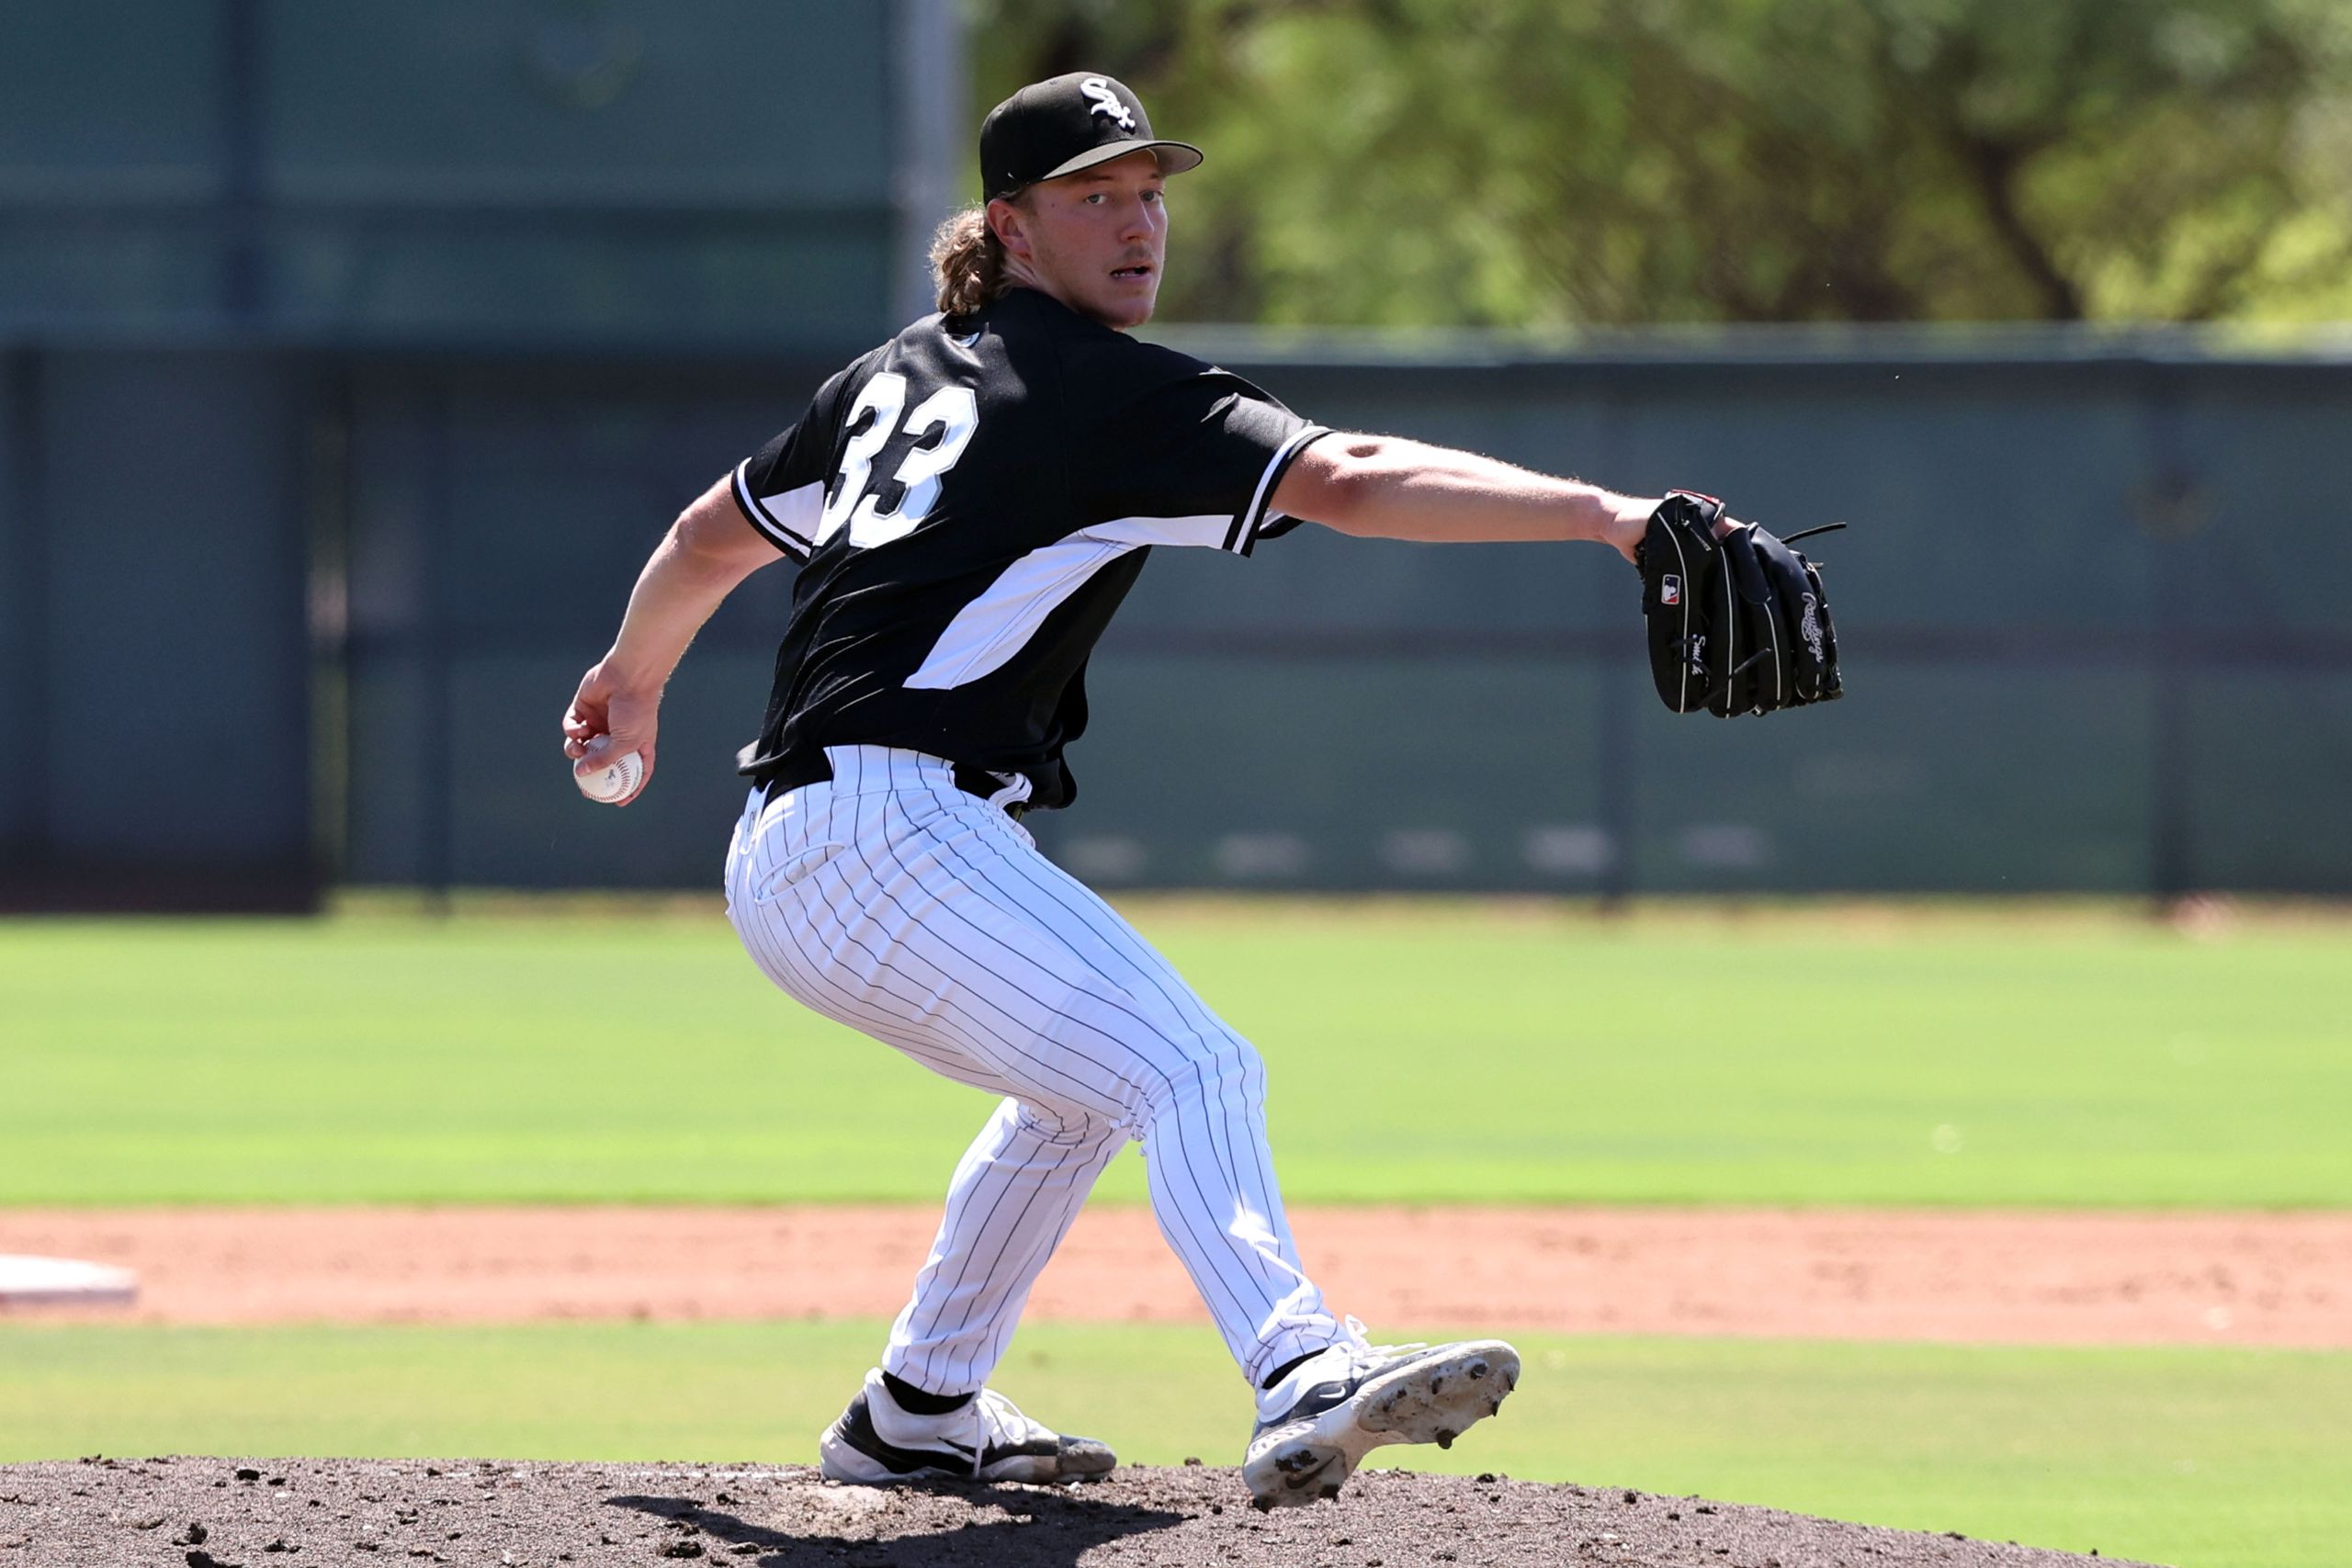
[1106,102]
[1070,122]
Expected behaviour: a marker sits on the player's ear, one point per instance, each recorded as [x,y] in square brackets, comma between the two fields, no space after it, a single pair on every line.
[1006,219]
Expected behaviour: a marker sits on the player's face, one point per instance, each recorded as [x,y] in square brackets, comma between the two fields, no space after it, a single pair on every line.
[1096,239]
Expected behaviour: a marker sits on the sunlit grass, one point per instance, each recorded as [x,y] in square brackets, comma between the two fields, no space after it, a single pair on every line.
[1418,1052]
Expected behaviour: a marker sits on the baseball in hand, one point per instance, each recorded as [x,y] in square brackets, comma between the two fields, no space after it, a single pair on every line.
[611,782]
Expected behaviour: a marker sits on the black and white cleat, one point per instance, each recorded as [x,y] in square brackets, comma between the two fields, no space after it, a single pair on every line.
[875,1443]
[1316,1426]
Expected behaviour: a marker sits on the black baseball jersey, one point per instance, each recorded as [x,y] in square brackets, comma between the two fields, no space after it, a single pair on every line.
[970,501]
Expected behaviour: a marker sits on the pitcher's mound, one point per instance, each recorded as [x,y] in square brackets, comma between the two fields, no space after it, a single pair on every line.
[215,1513]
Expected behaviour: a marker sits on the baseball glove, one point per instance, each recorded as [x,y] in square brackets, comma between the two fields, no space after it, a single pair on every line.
[1736,624]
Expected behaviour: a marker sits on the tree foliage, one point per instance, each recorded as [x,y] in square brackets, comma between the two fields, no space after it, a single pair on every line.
[1554,161]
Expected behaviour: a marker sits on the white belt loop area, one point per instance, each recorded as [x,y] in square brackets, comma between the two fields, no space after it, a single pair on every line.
[883,769]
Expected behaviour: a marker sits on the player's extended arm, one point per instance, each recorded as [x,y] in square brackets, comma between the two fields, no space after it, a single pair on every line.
[1381,487]
[708,551]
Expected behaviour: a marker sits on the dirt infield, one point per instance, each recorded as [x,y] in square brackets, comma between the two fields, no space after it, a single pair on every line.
[226,1513]
[2050,1279]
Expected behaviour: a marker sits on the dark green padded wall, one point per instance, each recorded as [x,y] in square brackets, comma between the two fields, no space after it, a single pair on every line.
[453,170]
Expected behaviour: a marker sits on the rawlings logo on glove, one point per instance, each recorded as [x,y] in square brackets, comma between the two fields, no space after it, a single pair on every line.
[1737,625]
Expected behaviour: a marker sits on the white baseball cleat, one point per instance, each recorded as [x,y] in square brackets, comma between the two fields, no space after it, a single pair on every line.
[1316,1424]
[876,1443]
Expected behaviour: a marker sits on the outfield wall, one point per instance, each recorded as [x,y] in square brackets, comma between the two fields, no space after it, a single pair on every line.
[2090,634]
[222,221]
[349,367]
[2088,606]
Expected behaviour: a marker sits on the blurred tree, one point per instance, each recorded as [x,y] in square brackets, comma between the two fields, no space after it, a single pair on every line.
[1552,162]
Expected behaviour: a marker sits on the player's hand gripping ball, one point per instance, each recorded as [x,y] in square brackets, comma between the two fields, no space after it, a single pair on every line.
[609,779]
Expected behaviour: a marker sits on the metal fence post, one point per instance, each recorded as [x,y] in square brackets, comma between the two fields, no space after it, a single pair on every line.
[434,761]
[31,717]
[244,283]
[2172,506]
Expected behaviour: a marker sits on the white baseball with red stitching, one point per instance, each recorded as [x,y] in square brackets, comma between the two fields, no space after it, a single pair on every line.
[612,783]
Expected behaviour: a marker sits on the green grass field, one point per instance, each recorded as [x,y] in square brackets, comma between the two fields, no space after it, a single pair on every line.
[2210,1458]
[2002,1055]
[1421,1053]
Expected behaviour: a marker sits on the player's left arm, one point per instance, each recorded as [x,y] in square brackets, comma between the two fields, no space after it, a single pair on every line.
[708,551]
[1383,487]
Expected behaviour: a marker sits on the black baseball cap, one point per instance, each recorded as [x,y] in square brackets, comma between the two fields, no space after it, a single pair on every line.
[1057,127]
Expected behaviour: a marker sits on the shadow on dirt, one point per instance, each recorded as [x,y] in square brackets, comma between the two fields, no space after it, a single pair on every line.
[1030,1529]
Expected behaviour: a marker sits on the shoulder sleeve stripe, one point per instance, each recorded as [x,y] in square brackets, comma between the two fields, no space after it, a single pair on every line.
[1243,535]
[788,521]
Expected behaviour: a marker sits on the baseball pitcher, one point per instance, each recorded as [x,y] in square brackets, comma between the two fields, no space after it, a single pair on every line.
[967,505]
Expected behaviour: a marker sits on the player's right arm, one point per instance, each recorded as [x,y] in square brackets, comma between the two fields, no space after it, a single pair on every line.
[709,550]
[1383,487]
[764,510]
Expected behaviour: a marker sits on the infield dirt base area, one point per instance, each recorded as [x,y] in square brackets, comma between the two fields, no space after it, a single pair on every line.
[213,1513]
[2050,1279]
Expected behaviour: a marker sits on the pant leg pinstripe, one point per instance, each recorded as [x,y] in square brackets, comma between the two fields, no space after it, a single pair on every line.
[894,902]
[1015,1193]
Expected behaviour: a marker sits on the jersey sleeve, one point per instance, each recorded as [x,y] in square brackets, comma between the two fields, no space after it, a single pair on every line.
[1192,459]
[781,487]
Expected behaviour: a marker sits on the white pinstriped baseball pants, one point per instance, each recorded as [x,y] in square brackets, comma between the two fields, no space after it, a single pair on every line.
[895,903]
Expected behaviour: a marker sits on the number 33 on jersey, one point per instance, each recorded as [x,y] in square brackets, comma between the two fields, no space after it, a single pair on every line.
[953,412]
